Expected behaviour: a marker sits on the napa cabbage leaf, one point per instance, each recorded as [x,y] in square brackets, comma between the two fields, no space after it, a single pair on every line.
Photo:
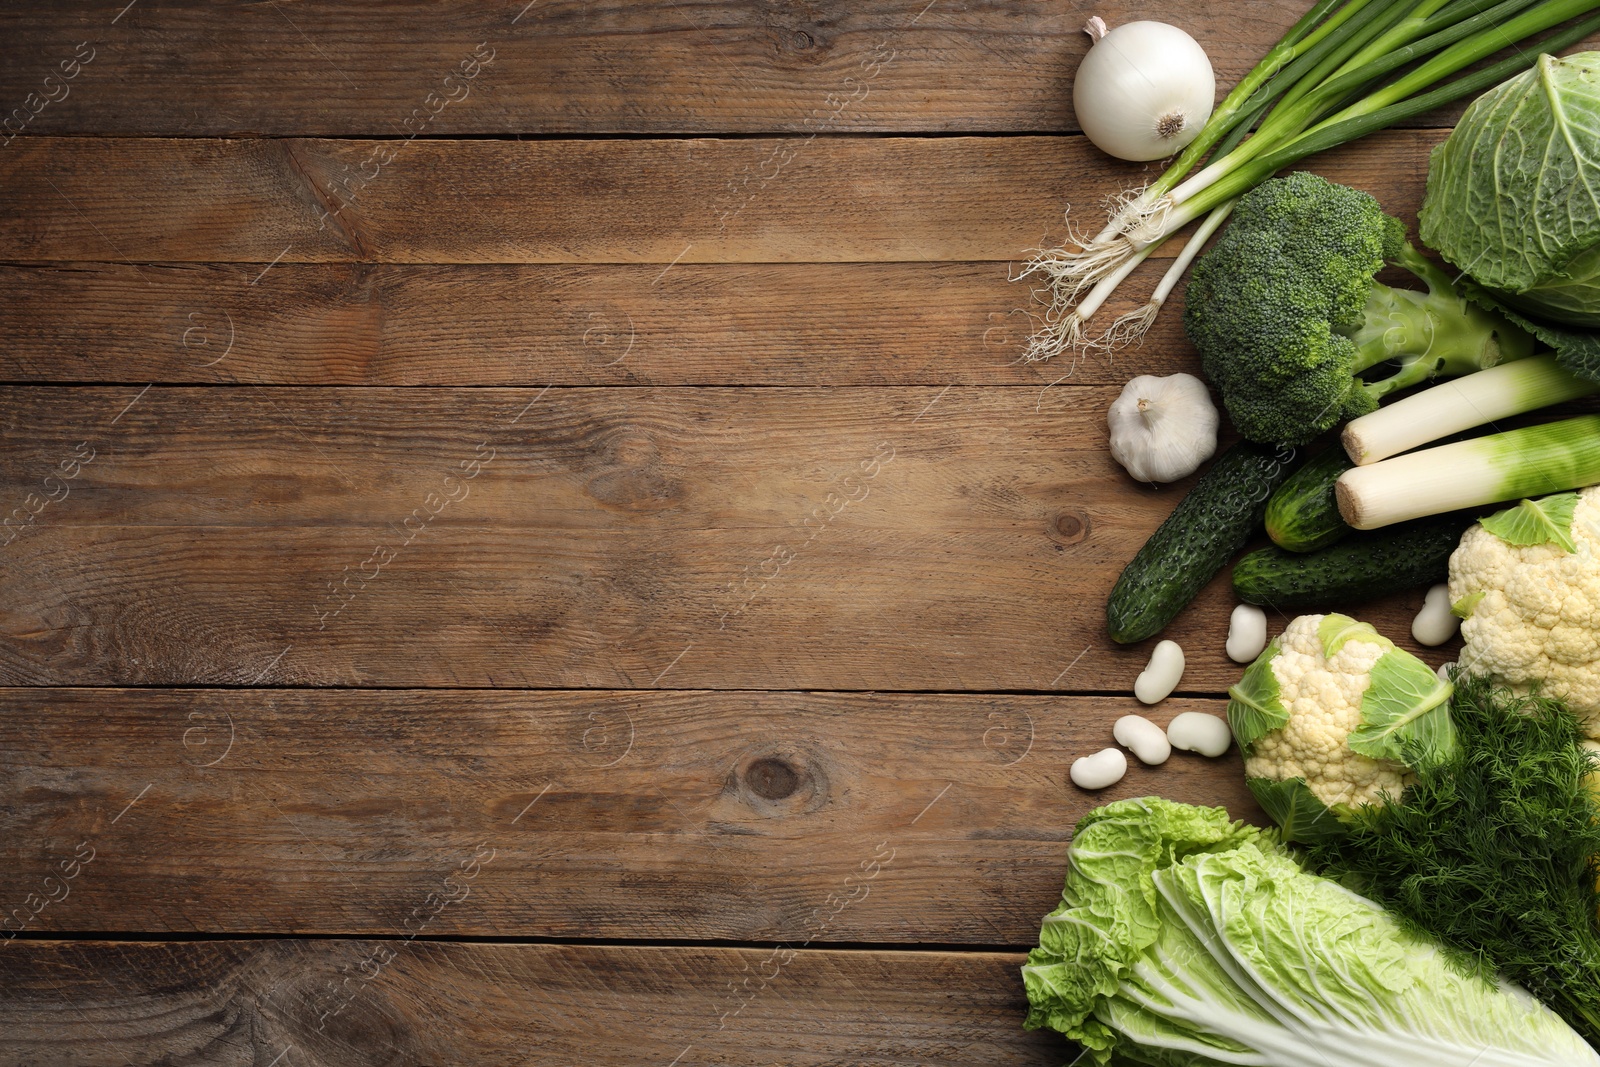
[1186,939]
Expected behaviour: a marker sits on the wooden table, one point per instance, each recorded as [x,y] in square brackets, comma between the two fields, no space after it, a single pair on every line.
[531,542]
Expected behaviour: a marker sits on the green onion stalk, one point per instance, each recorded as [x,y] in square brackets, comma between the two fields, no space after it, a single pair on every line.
[1342,71]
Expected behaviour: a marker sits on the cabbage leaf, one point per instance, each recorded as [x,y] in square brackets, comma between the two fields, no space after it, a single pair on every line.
[1185,939]
[1514,192]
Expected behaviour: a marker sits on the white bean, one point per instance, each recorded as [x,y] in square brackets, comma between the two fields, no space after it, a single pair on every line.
[1434,624]
[1247,633]
[1143,738]
[1444,670]
[1195,731]
[1104,768]
[1161,676]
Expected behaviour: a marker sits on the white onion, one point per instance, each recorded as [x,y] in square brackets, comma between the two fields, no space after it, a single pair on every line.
[1144,90]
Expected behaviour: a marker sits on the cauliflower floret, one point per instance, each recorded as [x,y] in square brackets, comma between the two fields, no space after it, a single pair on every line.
[1535,611]
[1323,698]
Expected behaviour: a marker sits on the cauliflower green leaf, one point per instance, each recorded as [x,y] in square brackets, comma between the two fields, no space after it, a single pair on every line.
[1335,630]
[1405,714]
[1255,704]
[1536,522]
[1297,812]
[1463,608]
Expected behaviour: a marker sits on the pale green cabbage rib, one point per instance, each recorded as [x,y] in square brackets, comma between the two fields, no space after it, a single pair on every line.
[1185,939]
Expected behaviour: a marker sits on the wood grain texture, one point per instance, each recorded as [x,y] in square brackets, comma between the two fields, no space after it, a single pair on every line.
[880,538]
[791,324]
[240,1004]
[670,202]
[184,67]
[797,817]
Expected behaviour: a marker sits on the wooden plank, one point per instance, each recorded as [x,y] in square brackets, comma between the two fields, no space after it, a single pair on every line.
[880,538]
[792,324]
[617,201]
[799,817]
[575,66]
[344,1003]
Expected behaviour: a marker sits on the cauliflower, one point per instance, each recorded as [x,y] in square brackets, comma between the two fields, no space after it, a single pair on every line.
[1332,716]
[1532,610]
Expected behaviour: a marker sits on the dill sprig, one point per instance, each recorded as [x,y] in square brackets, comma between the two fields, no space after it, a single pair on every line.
[1495,853]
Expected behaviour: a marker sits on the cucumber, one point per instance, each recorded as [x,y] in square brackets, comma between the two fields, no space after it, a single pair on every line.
[1303,515]
[1362,566]
[1203,532]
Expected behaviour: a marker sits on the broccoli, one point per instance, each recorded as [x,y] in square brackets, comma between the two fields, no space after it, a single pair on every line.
[1287,315]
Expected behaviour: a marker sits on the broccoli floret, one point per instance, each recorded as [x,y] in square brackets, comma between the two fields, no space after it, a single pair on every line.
[1287,315]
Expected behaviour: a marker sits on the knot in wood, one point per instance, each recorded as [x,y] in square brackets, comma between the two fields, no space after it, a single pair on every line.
[771,778]
[1071,526]
[776,779]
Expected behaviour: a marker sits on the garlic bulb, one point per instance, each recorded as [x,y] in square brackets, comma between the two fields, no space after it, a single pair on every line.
[1144,90]
[1162,429]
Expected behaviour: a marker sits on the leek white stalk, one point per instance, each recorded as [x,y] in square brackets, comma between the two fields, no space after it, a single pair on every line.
[1460,404]
[1529,462]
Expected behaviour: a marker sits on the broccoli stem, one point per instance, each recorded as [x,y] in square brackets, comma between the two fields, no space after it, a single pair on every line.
[1436,334]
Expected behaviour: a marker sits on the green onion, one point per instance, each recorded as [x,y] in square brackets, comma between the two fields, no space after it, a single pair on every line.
[1280,58]
[1461,404]
[1396,101]
[1529,462]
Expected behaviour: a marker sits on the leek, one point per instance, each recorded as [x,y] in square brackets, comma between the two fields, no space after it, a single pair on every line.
[1529,462]
[1461,404]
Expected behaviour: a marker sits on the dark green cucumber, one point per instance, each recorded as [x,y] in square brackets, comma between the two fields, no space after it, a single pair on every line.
[1303,515]
[1364,565]
[1203,532]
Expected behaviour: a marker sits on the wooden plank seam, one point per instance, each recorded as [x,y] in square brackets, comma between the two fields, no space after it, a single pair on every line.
[741,993]
[335,996]
[34,904]
[57,486]
[35,103]
[783,151]
[346,190]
